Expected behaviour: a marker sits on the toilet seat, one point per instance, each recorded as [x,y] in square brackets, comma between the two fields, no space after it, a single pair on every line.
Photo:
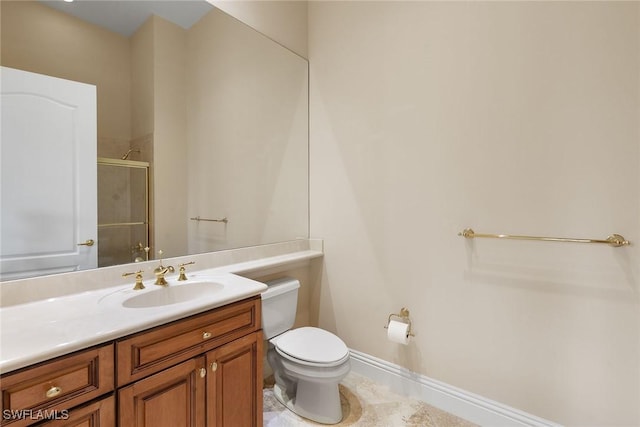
[312,346]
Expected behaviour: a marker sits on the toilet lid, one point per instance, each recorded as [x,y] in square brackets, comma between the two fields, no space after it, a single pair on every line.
[312,345]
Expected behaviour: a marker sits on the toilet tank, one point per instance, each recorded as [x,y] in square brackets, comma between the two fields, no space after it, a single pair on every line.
[279,305]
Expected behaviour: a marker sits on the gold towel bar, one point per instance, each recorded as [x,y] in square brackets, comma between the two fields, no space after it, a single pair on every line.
[614,240]
[197,218]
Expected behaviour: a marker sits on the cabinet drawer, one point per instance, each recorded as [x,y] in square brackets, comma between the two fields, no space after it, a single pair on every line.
[151,351]
[57,385]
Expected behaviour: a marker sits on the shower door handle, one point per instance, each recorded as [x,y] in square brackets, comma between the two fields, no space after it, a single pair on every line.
[89,242]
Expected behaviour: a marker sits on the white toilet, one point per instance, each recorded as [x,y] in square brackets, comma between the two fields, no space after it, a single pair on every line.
[308,363]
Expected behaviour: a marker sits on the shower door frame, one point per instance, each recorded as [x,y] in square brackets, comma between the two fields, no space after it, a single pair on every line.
[134,164]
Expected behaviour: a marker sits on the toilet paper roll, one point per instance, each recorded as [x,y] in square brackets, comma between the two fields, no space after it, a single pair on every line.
[398,332]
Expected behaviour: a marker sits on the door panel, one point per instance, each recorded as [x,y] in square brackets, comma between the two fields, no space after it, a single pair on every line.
[48,152]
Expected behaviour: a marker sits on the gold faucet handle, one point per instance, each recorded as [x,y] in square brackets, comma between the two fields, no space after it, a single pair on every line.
[183,276]
[139,284]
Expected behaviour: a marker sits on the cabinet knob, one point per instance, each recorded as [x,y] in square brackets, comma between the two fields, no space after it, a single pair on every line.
[214,366]
[203,372]
[53,391]
[206,335]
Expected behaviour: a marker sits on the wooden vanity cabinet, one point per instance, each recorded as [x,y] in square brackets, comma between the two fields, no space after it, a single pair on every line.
[201,371]
[214,378]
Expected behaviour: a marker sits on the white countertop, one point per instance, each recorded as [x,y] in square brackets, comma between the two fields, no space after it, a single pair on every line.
[41,330]
[36,331]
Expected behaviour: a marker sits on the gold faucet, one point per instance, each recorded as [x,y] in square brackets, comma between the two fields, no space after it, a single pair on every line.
[161,270]
[139,284]
[183,276]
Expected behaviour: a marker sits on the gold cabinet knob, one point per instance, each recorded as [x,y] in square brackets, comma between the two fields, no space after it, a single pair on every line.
[89,242]
[203,372]
[214,366]
[53,392]
[206,335]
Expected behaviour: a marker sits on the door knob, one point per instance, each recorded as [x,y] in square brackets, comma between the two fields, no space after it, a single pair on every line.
[89,242]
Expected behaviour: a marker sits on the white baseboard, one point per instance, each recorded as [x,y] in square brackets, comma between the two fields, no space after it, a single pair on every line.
[468,406]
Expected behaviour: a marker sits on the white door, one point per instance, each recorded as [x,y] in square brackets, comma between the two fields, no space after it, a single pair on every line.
[48,175]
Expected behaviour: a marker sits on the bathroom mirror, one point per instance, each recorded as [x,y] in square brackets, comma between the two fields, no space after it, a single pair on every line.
[210,117]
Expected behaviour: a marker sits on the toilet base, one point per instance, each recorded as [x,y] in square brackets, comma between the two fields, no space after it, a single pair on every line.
[314,401]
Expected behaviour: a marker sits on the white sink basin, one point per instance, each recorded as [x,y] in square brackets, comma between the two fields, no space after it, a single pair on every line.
[174,294]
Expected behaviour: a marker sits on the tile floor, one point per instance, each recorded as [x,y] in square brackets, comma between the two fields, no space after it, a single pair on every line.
[366,404]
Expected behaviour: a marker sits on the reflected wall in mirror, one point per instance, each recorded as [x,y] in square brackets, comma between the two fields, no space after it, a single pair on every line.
[218,111]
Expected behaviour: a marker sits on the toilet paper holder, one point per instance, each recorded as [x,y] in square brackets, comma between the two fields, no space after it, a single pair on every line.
[404,317]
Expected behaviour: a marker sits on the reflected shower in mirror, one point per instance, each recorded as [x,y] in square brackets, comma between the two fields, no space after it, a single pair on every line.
[213,113]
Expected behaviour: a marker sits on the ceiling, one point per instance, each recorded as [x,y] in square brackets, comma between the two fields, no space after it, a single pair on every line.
[125,16]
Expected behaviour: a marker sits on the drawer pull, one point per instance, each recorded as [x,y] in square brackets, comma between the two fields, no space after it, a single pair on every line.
[203,372]
[206,335]
[214,366]
[53,392]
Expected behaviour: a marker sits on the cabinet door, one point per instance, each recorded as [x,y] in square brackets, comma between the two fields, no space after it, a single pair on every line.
[234,383]
[101,413]
[174,397]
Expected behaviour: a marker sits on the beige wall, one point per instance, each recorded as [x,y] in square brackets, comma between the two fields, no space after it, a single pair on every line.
[283,21]
[142,79]
[142,111]
[509,117]
[247,109]
[59,45]
[170,138]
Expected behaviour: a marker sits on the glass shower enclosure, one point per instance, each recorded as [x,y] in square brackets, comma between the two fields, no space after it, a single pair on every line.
[123,211]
